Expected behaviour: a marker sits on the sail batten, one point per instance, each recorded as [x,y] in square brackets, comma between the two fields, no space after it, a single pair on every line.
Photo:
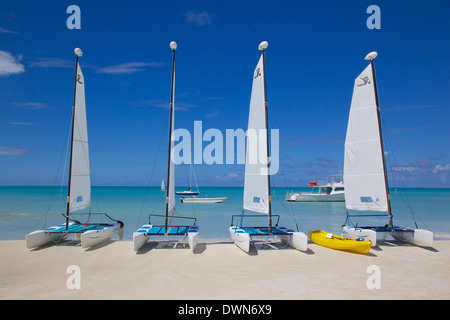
[365,184]
[80,182]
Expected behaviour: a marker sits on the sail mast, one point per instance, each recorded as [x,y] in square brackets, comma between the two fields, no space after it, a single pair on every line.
[263,45]
[173,46]
[371,56]
[78,53]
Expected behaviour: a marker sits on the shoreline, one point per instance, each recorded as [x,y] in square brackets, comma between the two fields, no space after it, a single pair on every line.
[218,270]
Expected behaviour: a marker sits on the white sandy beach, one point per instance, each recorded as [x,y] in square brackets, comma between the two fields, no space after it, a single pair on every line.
[219,270]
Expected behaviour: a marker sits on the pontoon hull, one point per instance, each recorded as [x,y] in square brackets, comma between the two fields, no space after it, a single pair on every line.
[297,240]
[140,237]
[40,238]
[419,237]
[193,236]
[93,238]
[240,238]
[359,233]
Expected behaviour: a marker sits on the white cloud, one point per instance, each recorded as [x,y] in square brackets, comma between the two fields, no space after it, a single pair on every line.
[12,151]
[52,63]
[129,67]
[20,123]
[3,30]
[439,168]
[199,19]
[10,65]
[30,105]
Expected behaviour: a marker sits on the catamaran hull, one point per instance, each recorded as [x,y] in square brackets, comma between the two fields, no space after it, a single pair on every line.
[193,236]
[240,238]
[297,240]
[359,233]
[40,238]
[418,237]
[140,237]
[95,237]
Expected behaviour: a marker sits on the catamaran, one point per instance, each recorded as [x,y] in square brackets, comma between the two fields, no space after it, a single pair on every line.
[191,231]
[79,187]
[257,175]
[365,175]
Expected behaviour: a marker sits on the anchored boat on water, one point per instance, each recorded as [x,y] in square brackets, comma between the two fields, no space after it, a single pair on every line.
[257,173]
[195,199]
[79,187]
[329,192]
[365,174]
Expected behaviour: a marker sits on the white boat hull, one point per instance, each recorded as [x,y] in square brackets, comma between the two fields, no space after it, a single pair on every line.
[202,200]
[419,237]
[358,233]
[140,237]
[40,238]
[310,197]
[240,238]
[297,240]
[92,238]
[193,236]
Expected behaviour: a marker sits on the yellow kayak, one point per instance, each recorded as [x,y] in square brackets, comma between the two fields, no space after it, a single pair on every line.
[333,241]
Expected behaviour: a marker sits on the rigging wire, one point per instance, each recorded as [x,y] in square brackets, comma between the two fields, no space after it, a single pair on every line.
[149,181]
[399,179]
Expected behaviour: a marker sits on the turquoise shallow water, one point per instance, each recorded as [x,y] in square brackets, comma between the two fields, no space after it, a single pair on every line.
[24,209]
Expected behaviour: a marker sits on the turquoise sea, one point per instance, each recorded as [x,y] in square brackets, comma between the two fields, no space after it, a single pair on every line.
[24,209]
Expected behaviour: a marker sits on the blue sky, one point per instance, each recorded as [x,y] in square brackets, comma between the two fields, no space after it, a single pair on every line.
[316,50]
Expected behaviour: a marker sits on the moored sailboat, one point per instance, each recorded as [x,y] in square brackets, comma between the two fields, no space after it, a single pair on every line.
[365,174]
[168,228]
[257,174]
[79,186]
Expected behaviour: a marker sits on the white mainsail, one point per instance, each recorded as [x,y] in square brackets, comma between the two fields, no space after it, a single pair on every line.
[80,182]
[365,185]
[256,190]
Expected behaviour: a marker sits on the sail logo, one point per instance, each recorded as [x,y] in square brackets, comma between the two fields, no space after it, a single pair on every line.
[365,80]
[79,199]
[79,78]
[257,73]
